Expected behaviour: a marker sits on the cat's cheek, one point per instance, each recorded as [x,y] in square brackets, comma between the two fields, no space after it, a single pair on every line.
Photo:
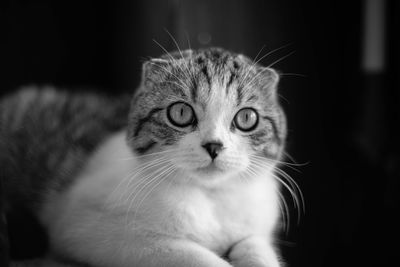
[271,150]
[234,163]
[189,162]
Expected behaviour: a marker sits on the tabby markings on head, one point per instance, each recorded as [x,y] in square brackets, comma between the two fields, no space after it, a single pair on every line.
[224,92]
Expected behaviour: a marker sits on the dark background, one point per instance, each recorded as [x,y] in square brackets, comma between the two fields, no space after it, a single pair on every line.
[342,114]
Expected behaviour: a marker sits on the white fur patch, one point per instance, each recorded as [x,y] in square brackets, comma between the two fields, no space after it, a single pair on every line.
[95,220]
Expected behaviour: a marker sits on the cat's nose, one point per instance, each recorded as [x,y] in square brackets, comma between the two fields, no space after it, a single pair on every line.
[213,148]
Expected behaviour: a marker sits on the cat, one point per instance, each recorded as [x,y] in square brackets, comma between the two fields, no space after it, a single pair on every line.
[180,174]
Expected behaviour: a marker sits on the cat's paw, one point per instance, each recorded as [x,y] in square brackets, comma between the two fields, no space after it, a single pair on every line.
[254,262]
[254,252]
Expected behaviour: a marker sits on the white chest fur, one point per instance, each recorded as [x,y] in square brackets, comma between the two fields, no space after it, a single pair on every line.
[84,216]
[217,219]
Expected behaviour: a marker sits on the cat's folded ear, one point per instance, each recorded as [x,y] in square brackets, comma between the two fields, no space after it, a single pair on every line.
[155,70]
[269,80]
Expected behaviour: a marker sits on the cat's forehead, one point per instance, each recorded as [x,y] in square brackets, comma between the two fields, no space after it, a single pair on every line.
[211,76]
[214,76]
[213,57]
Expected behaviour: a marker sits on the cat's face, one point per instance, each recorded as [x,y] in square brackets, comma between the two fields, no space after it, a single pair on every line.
[209,111]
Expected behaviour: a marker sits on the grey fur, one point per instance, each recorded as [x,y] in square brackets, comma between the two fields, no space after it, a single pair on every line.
[189,76]
[46,135]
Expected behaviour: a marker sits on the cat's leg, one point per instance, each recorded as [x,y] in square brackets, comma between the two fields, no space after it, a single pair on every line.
[254,251]
[83,237]
[165,254]
[156,253]
[177,253]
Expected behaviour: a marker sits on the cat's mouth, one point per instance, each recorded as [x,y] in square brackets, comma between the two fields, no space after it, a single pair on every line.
[210,168]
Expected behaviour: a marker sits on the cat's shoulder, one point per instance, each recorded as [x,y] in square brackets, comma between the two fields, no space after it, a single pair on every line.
[52,133]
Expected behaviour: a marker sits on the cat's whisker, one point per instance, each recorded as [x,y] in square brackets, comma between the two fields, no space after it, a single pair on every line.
[189,73]
[290,157]
[285,209]
[162,163]
[293,74]
[146,165]
[277,169]
[171,180]
[172,74]
[150,185]
[283,98]
[286,176]
[141,156]
[293,192]
[295,186]
[144,182]
[176,63]
[130,177]
[259,52]
[264,56]
[279,161]
[289,165]
[188,40]
[167,53]
[294,196]
[280,59]
[272,51]
[133,182]
[243,80]
[285,212]
[251,66]
[126,182]
[295,164]
[159,153]
[253,63]
[151,154]
[123,180]
[249,84]
[164,175]
[153,164]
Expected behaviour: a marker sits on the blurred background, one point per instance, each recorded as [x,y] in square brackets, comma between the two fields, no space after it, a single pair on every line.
[340,89]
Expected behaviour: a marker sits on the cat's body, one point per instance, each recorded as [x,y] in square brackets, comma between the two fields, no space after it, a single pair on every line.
[214,219]
[180,183]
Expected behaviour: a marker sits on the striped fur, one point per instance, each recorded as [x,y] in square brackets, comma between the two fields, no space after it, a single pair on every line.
[192,77]
[47,136]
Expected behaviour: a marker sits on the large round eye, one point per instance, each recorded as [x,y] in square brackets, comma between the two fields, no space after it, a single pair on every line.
[180,114]
[246,119]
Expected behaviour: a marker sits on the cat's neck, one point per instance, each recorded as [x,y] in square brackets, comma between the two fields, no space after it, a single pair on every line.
[107,186]
[115,170]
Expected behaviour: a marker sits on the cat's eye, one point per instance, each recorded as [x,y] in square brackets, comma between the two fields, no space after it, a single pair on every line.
[180,114]
[246,119]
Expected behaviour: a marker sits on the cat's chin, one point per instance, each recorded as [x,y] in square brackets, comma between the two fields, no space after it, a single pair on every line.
[211,174]
[211,169]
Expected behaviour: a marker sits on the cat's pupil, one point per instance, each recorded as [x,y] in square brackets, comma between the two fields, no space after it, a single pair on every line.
[180,114]
[246,119]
